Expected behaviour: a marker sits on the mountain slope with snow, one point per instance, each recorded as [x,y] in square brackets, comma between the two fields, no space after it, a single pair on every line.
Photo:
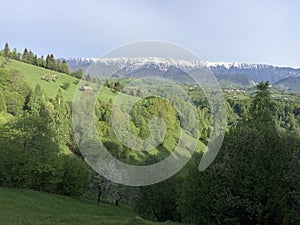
[132,67]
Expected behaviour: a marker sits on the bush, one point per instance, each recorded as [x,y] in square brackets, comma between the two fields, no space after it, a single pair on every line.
[75,176]
[14,102]
[66,85]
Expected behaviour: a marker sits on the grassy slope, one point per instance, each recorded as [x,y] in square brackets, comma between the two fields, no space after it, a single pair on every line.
[33,76]
[31,207]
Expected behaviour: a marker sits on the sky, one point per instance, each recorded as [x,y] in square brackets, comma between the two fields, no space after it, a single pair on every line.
[256,31]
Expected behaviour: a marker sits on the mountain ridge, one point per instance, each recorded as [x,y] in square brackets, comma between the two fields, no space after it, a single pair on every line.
[128,66]
[177,61]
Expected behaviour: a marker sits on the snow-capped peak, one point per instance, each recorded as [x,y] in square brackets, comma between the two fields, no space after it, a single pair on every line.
[163,63]
[257,72]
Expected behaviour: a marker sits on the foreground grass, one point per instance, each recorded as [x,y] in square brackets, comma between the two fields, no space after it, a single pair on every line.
[37,208]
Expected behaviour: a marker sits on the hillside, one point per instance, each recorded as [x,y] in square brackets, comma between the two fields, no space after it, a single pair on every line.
[290,84]
[31,207]
[236,80]
[31,145]
[33,75]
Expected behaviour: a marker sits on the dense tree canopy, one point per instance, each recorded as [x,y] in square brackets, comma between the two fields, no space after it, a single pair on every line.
[248,183]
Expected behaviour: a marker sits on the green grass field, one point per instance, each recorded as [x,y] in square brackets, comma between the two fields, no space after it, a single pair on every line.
[33,75]
[20,207]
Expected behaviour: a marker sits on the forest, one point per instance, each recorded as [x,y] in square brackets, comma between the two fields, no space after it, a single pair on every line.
[255,178]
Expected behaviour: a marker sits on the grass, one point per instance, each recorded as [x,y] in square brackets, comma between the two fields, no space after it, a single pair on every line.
[33,75]
[37,208]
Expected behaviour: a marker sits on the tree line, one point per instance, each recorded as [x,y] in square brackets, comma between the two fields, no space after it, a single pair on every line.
[31,58]
[48,62]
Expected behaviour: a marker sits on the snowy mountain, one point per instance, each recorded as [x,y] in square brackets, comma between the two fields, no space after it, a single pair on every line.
[135,67]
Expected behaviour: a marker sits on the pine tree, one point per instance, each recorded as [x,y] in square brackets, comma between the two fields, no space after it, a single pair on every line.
[35,60]
[118,86]
[65,67]
[25,56]
[6,50]
[41,61]
[14,54]
[50,62]
[47,62]
[262,107]
[57,65]
[30,58]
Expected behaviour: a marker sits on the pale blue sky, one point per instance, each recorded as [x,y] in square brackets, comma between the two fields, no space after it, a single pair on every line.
[254,31]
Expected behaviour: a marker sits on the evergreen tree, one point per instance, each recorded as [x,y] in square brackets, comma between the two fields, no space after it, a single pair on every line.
[50,62]
[262,107]
[35,60]
[47,61]
[6,50]
[57,66]
[25,56]
[14,54]
[65,67]
[118,86]
[40,61]
[31,58]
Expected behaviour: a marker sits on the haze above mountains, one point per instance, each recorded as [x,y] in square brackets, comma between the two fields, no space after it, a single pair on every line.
[228,74]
